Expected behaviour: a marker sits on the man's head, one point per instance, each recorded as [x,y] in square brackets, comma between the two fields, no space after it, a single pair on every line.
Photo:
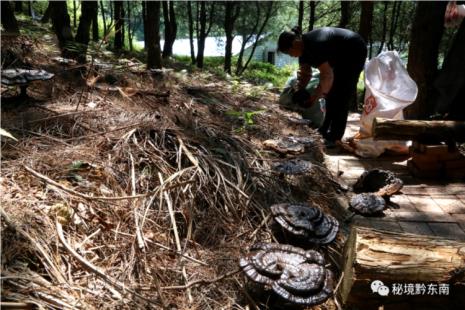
[290,42]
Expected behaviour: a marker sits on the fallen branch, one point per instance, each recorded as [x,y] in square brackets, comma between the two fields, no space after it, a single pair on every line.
[73,192]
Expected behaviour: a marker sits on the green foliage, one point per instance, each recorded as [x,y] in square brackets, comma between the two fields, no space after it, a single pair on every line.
[245,116]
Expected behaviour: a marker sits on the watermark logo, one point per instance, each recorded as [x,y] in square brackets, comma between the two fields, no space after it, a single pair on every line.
[378,286]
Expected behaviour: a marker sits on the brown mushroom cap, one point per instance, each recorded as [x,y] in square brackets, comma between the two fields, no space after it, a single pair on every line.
[306,222]
[294,274]
[381,182]
[367,203]
[289,144]
[24,76]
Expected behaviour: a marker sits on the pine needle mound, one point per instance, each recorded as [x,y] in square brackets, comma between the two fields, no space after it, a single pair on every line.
[117,200]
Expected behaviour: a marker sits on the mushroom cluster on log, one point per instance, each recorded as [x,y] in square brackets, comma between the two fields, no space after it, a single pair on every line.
[293,167]
[305,222]
[22,77]
[295,275]
[367,203]
[381,182]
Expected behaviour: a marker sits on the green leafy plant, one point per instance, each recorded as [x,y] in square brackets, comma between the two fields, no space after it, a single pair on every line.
[245,116]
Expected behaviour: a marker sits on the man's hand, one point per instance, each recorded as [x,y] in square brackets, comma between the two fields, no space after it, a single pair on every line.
[301,97]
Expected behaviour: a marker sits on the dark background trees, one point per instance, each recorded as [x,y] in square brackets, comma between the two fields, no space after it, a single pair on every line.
[414,29]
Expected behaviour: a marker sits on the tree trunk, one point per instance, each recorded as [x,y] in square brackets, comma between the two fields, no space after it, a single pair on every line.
[394,18]
[62,26]
[268,14]
[191,30]
[232,10]
[449,98]
[9,22]
[424,131]
[366,20]
[383,32]
[345,14]
[47,14]
[88,11]
[204,30]
[169,18]
[95,34]
[153,34]
[301,14]
[30,11]
[119,24]
[18,6]
[422,64]
[130,34]
[74,14]
[311,21]
[397,259]
[102,11]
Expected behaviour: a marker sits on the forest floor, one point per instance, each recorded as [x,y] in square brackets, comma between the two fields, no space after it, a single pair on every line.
[134,189]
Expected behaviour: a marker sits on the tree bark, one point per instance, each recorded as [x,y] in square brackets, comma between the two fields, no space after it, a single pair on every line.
[9,21]
[424,131]
[130,34]
[169,18]
[119,24]
[191,30]
[345,14]
[268,14]
[311,21]
[246,39]
[88,11]
[422,64]
[204,30]
[62,26]
[366,20]
[449,97]
[394,19]
[47,14]
[396,258]
[232,10]
[95,34]
[384,31]
[74,14]
[153,34]
[301,14]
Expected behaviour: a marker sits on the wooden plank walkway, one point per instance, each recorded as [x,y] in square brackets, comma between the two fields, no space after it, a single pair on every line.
[424,206]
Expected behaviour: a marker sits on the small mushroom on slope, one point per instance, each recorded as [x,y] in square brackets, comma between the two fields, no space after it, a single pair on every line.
[289,144]
[293,167]
[367,203]
[22,77]
[296,275]
[380,182]
[305,222]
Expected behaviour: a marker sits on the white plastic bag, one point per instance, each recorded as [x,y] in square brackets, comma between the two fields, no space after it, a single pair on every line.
[389,89]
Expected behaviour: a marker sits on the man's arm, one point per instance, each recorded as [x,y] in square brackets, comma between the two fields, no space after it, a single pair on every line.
[326,81]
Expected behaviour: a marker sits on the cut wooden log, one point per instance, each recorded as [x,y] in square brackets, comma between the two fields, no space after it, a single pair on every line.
[402,259]
[425,131]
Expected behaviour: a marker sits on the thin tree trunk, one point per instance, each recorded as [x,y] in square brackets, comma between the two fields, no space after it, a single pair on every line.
[62,26]
[88,10]
[301,14]
[119,24]
[265,22]
[74,14]
[201,38]
[366,20]
[19,6]
[427,30]
[128,7]
[153,36]
[345,14]
[102,10]
[9,22]
[30,11]
[383,33]
[311,21]
[169,18]
[191,30]
[394,18]
[144,21]
[232,10]
[47,14]
[95,34]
